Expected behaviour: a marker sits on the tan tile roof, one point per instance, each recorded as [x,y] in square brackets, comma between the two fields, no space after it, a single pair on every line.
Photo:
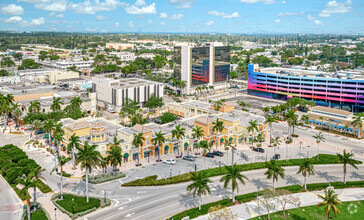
[32,96]
[205,120]
[78,125]
[97,125]
[140,128]
[331,110]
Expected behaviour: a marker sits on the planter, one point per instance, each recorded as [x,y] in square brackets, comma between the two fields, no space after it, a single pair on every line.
[158,160]
[178,156]
[138,165]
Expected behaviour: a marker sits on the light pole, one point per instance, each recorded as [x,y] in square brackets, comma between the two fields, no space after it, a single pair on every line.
[170,172]
[300,149]
[104,195]
[55,213]
[73,206]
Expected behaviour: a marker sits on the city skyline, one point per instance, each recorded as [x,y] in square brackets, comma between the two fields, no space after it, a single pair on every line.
[183,16]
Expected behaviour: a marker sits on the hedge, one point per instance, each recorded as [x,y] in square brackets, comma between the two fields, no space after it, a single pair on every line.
[44,188]
[101,178]
[194,212]
[152,180]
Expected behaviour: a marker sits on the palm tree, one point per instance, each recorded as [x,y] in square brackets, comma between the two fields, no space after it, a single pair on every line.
[27,182]
[275,170]
[270,120]
[330,202]
[306,168]
[76,102]
[345,159]
[17,114]
[58,139]
[322,122]
[319,138]
[56,105]
[233,174]
[291,118]
[123,115]
[217,105]
[205,148]
[138,142]
[103,164]
[197,133]
[114,157]
[358,121]
[228,143]
[48,128]
[74,143]
[159,140]
[89,158]
[62,160]
[34,106]
[36,173]
[253,126]
[36,124]
[199,186]
[178,133]
[218,128]
[276,142]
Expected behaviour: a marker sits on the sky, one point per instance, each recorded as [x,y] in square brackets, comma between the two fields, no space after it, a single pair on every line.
[184,16]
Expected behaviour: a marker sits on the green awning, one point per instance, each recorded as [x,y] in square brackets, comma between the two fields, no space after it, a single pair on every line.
[135,154]
[62,145]
[186,144]
[222,140]
[46,136]
[157,148]
[231,139]
[126,155]
[166,147]
[147,151]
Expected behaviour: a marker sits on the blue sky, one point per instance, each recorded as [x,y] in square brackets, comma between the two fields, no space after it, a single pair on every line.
[184,16]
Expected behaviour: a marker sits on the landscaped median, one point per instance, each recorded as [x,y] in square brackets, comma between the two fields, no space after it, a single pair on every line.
[195,212]
[152,180]
[78,207]
[102,178]
[39,214]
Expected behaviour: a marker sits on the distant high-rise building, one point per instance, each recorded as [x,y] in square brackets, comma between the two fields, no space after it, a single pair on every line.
[207,64]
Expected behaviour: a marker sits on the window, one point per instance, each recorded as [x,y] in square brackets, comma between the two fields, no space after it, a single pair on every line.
[147,136]
[230,132]
[211,133]
[147,142]
[125,147]
[236,129]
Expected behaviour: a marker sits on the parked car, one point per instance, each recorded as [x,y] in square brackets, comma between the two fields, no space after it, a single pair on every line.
[276,157]
[210,155]
[218,153]
[189,158]
[170,161]
[259,149]
[39,132]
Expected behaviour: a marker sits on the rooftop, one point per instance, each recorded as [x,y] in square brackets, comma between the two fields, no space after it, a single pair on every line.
[128,82]
[331,111]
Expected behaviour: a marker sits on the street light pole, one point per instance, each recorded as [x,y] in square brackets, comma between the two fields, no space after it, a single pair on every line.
[73,206]
[104,195]
[55,213]
[170,172]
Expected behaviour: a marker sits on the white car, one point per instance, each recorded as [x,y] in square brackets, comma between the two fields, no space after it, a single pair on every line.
[170,161]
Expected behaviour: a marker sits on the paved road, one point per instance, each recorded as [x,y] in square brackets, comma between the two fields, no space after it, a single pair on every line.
[11,207]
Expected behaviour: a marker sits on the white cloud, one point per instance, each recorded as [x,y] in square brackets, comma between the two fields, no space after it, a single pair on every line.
[290,13]
[131,24]
[310,18]
[209,23]
[135,10]
[317,22]
[19,21]
[163,23]
[163,15]
[334,7]
[176,16]
[224,14]
[140,3]
[101,18]
[60,16]
[182,3]
[90,29]
[149,21]
[116,24]
[284,2]
[277,21]
[51,14]
[91,7]
[49,5]
[12,9]
[256,1]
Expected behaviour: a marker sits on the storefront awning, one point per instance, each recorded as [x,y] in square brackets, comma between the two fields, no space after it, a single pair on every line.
[46,136]
[127,155]
[166,147]
[135,154]
[156,149]
[221,139]
[186,144]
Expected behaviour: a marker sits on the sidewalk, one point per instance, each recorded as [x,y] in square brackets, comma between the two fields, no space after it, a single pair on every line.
[250,209]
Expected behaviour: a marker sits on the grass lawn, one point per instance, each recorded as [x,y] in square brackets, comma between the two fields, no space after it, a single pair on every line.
[37,215]
[314,213]
[80,203]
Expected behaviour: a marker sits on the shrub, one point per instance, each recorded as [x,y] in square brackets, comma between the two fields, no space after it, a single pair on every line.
[167,117]
[44,188]
[101,178]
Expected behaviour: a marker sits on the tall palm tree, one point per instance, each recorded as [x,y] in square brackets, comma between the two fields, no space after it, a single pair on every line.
[17,114]
[233,174]
[276,142]
[123,115]
[178,133]
[114,157]
[275,170]
[56,105]
[89,158]
[319,138]
[159,140]
[34,106]
[62,160]
[48,128]
[27,183]
[204,145]
[58,139]
[358,121]
[306,168]
[73,143]
[228,143]
[36,124]
[253,126]
[199,186]
[291,118]
[330,201]
[218,127]
[76,102]
[103,164]
[36,174]
[138,142]
[345,159]
[217,105]
[269,121]
[197,133]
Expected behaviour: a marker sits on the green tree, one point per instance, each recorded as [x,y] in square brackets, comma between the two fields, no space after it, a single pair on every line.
[56,105]
[178,133]
[89,158]
[275,170]
[319,138]
[36,174]
[27,183]
[36,125]
[253,126]
[73,143]
[346,159]
[233,175]
[358,121]
[197,133]
[330,202]
[159,140]
[34,106]
[76,103]
[199,186]
[62,160]
[138,142]
[114,156]
[269,121]
[306,169]
[218,127]
[154,102]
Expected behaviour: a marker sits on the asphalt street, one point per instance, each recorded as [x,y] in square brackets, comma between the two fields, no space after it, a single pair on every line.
[11,207]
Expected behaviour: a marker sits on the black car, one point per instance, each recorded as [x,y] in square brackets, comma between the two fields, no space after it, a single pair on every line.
[210,155]
[189,158]
[218,153]
[258,149]
[276,157]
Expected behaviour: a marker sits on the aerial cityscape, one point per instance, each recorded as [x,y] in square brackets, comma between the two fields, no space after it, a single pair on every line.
[181,109]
